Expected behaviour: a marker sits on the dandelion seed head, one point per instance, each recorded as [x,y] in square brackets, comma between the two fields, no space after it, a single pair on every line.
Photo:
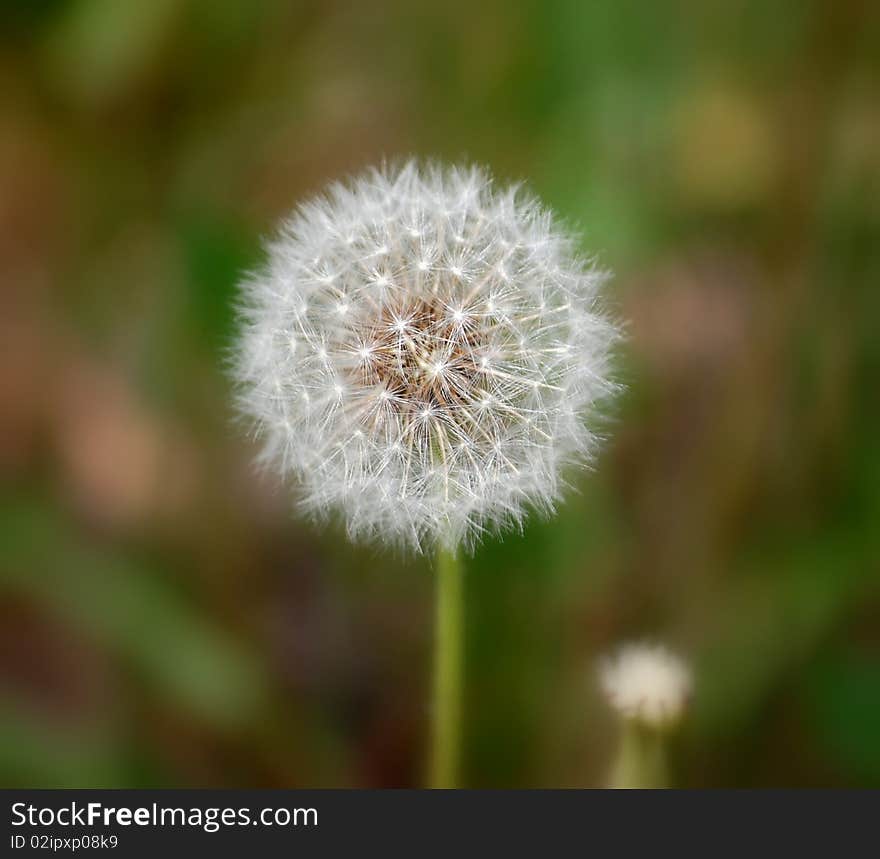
[450,355]
[646,683]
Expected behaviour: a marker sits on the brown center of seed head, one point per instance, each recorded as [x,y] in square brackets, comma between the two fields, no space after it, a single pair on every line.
[427,360]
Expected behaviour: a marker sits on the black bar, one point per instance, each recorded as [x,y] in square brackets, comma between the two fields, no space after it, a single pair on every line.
[409,822]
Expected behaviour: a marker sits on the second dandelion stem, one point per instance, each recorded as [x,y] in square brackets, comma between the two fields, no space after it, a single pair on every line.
[448,630]
[641,758]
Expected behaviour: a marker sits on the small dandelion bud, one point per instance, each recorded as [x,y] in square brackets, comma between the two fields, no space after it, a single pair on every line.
[649,688]
[646,683]
[424,352]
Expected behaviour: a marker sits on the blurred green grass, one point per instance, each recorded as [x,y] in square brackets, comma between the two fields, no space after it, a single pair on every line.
[169,621]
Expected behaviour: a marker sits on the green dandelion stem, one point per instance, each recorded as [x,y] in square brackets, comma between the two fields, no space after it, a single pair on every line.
[448,630]
[641,758]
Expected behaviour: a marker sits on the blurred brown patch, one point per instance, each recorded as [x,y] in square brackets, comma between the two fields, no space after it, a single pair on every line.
[121,462]
[693,314]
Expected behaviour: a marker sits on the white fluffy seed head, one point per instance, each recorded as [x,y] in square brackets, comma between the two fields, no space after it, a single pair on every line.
[646,683]
[423,351]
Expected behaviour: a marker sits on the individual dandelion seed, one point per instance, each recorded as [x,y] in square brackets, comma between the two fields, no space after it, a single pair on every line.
[425,352]
[647,684]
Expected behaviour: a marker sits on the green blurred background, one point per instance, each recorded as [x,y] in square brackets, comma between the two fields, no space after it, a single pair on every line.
[167,621]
